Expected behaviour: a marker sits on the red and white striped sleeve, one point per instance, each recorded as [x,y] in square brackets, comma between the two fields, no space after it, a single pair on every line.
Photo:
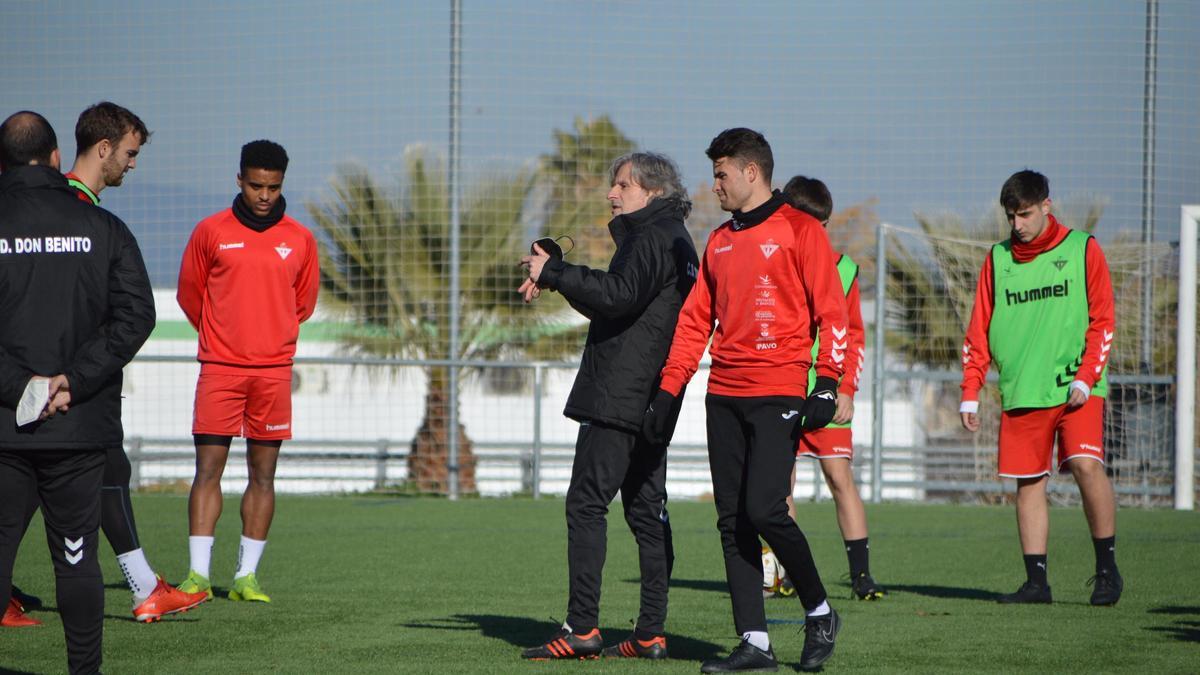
[976,356]
[856,351]
[1102,319]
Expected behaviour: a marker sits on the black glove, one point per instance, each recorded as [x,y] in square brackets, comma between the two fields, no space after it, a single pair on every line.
[820,405]
[657,417]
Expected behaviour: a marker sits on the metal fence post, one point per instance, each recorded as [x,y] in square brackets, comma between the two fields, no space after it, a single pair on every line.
[381,460]
[877,365]
[135,462]
[1185,365]
[538,375]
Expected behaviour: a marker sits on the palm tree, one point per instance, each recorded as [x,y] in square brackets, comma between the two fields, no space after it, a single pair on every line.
[576,175]
[385,260]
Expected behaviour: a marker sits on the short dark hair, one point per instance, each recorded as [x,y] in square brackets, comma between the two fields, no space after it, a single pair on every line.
[743,146]
[26,137]
[1024,188]
[263,154]
[810,196]
[107,121]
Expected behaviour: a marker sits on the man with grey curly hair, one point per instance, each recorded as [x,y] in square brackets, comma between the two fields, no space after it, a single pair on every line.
[632,306]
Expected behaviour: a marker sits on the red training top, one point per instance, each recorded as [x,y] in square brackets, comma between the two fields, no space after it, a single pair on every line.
[1102,321]
[247,292]
[768,289]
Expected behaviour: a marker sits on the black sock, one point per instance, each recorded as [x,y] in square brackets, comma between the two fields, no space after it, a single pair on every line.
[643,635]
[1106,553]
[859,554]
[1035,569]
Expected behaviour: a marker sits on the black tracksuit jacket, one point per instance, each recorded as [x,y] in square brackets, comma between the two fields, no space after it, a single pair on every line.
[633,307]
[74,299]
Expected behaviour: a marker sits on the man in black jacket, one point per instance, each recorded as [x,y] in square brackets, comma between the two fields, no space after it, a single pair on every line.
[77,306]
[632,308]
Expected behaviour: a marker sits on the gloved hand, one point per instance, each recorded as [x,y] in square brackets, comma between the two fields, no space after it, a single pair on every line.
[656,418]
[820,405]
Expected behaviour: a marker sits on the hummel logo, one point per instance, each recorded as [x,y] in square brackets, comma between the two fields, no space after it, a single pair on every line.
[769,248]
[723,249]
[74,550]
[1060,263]
[790,414]
[277,427]
[240,244]
[283,250]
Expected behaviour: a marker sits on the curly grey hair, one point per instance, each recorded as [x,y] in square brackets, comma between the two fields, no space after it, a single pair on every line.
[655,173]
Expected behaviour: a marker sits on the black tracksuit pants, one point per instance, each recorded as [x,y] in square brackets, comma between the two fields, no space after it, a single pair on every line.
[608,460]
[68,486]
[116,510]
[751,449]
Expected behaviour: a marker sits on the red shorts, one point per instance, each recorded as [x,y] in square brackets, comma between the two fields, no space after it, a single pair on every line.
[1027,437]
[243,405]
[826,443]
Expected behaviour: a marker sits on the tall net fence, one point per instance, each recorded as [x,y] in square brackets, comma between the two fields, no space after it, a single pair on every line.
[901,108]
[932,274]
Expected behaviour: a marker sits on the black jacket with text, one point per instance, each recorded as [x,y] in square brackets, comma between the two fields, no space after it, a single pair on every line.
[74,299]
[633,307]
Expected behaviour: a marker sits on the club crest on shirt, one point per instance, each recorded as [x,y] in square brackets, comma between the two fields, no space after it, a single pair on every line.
[769,248]
[283,250]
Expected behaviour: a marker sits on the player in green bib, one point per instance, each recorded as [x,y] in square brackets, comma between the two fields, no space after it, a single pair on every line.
[1044,314]
[833,444]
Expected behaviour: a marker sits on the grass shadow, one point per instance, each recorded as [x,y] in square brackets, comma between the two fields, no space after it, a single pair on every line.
[950,592]
[521,632]
[1184,630]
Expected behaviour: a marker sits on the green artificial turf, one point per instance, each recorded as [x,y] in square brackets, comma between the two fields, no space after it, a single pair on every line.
[382,584]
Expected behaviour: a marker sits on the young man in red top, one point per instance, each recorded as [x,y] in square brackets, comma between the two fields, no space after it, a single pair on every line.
[767,284]
[1044,313]
[108,139]
[248,279]
[833,445]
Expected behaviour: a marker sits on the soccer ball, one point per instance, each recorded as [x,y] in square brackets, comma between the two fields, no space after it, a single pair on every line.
[773,573]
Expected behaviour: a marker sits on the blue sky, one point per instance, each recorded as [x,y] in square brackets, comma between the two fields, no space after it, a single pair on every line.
[923,106]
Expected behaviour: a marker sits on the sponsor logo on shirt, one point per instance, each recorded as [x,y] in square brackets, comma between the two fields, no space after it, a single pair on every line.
[1034,294]
[225,247]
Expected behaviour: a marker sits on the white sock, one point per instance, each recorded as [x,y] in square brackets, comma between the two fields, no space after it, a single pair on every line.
[137,573]
[249,552]
[821,610]
[758,638]
[200,549]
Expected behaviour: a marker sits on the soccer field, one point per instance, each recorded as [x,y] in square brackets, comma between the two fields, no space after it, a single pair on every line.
[382,584]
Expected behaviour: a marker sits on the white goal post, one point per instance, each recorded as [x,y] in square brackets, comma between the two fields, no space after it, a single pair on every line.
[1185,370]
